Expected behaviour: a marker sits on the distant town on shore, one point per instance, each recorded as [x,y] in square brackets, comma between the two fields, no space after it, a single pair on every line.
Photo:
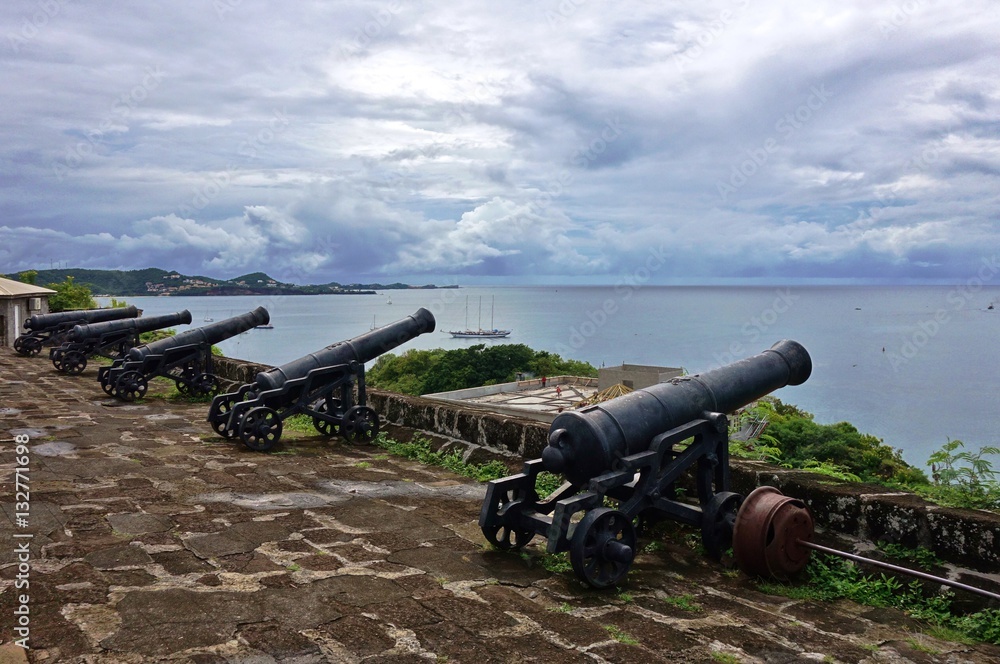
[154,281]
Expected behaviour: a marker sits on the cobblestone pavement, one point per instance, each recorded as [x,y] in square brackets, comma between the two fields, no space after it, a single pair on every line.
[155,540]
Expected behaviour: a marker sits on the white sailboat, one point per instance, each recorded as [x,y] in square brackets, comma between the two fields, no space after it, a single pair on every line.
[479,333]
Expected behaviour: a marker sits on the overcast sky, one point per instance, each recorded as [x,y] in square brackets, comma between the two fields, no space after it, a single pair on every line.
[543,141]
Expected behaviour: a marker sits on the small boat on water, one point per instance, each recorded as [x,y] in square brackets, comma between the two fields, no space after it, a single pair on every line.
[479,333]
[265,326]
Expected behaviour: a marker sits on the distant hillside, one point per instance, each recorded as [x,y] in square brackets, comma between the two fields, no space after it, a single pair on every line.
[154,281]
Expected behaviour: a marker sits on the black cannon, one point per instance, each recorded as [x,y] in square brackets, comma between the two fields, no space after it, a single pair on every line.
[185,358]
[112,339]
[635,452]
[320,384]
[53,329]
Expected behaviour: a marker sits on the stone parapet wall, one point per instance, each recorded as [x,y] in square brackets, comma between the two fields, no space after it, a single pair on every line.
[234,372]
[966,538]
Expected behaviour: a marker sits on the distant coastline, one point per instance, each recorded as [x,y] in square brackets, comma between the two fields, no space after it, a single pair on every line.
[156,282]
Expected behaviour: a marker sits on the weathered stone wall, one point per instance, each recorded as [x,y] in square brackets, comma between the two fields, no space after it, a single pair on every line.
[234,372]
[967,538]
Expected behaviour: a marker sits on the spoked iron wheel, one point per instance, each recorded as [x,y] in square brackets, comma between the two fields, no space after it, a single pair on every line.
[131,385]
[220,419]
[768,535]
[29,346]
[261,429]
[205,385]
[73,363]
[505,504]
[56,356]
[603,547]
[717,521]
[104,378]
[360,425]
[323,426]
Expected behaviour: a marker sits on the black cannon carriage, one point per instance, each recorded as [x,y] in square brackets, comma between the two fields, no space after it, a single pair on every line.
[320,384]
[112,339]
[54,329]
[185,358]
[633,452]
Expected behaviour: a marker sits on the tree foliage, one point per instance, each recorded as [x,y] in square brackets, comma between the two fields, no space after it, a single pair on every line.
[838,447]
[28,276]
[69,296]
[428,371]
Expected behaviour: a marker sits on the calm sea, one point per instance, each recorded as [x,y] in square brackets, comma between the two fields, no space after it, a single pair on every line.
[913,365]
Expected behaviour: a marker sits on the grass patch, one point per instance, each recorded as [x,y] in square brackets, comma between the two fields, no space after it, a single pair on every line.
[684,603]
[620,636]
[419,449]
[557,563]
[830,578]
[725,658]
[922,556]
[299,424]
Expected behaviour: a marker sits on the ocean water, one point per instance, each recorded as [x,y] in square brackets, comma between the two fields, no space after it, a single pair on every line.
[912,365]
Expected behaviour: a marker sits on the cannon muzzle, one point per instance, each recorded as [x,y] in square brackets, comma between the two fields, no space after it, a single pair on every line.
[362,348]
[586,443]
[138,325]
[209,334]
[85,316]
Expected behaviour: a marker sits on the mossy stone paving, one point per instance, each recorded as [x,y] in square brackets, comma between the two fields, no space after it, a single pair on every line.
[155,540]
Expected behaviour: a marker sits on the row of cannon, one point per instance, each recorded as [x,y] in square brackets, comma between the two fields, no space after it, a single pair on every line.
[327,385]
[658,453]
[629,460]
[633,451]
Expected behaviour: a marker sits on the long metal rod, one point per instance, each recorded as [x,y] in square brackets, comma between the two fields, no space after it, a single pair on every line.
[902,570]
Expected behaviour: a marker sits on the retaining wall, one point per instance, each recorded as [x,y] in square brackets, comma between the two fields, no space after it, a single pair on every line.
[967,540]
[964,538]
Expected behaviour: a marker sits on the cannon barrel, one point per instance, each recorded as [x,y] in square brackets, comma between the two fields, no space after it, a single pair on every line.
[586,443]
[208,334]
[139,325]
[45,321]
[362,348]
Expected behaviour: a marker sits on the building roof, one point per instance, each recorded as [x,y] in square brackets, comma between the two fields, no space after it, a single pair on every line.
[11,288]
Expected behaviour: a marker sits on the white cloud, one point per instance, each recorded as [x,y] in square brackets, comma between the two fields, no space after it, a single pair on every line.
[374,139]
